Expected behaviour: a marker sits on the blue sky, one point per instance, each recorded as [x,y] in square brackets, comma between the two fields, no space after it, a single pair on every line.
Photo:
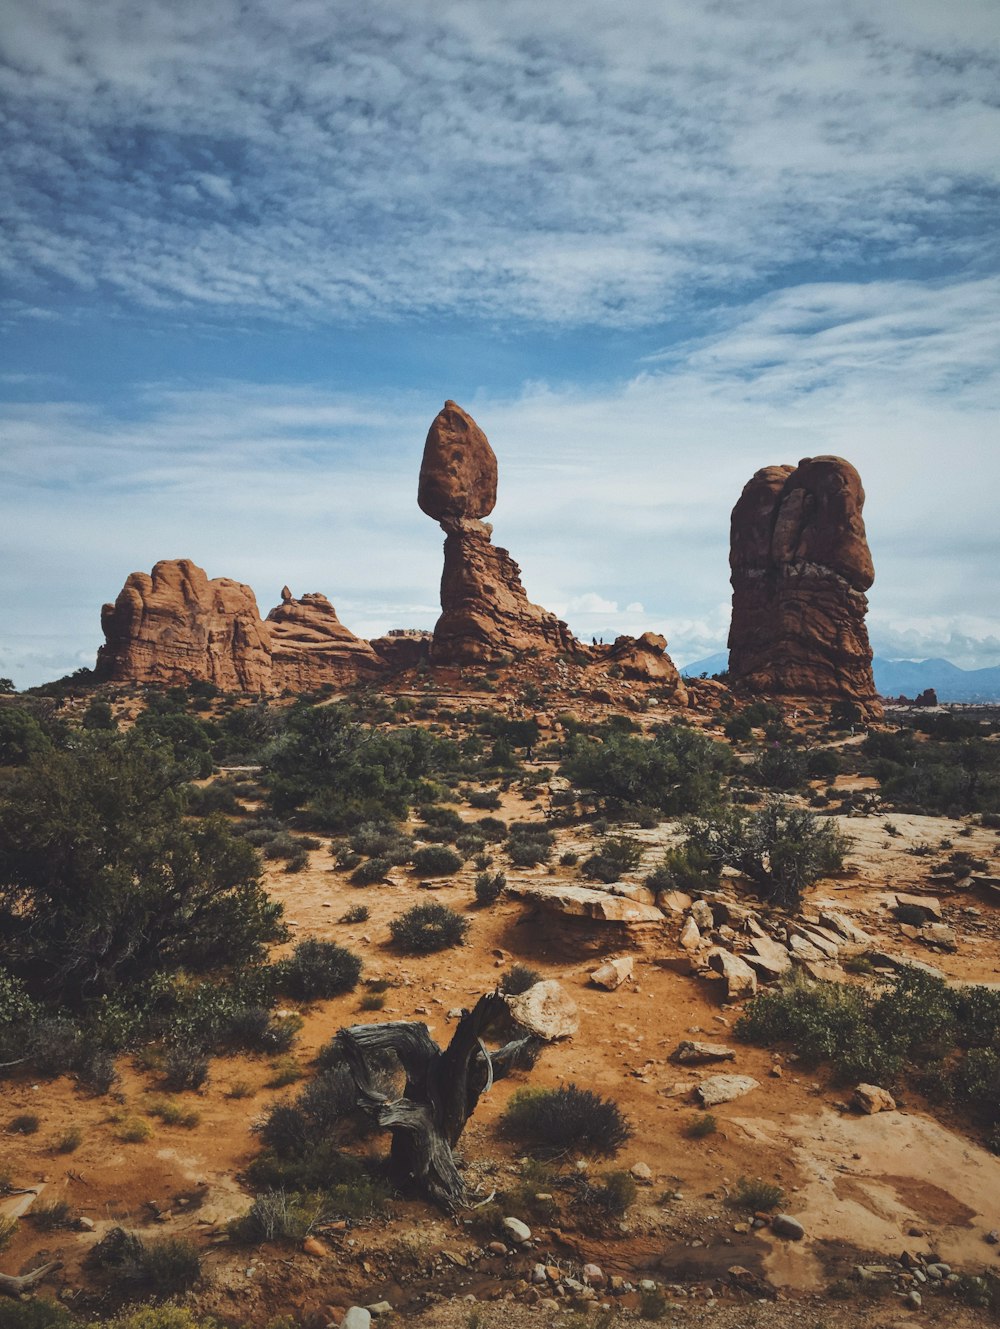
[249,248]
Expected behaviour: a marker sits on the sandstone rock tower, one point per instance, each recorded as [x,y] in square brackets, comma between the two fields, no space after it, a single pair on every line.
[800,569]
[485,611]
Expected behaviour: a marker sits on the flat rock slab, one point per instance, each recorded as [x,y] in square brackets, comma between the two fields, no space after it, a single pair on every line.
[926,905]
[587,902]
[691,1052]
[545,1010]
[724,1088]
[844,927]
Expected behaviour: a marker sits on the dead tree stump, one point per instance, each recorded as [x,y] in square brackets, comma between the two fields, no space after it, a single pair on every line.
[441,1093]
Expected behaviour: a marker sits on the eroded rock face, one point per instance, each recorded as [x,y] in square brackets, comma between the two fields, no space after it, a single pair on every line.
[645,659]
[176,625]
[800,569]
[485,611]
[310,646]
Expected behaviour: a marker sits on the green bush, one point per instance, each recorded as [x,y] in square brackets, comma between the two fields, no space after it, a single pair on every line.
[684,867]
[485,799]
[778,766]
[616,855]
[489,887]
[519,978]
[756,1196]
[428,927]
[170,1266]
[554,1120]
[781,849]
[677,770]
[436,861]
[318,969]
[375,870]
[185,1067]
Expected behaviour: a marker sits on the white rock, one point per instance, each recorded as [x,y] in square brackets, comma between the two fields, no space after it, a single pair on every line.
[690,938]
[612,973]
[545,1010]
[518,1232]
[357,1318]
[724,1088]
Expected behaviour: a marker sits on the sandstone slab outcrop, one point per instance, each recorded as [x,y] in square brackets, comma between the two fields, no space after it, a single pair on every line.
[800,569]
[485,612]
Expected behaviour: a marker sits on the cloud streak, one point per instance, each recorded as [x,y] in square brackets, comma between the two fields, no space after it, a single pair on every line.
[588,165]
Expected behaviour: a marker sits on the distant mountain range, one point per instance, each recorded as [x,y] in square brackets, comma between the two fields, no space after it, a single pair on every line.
[901,677]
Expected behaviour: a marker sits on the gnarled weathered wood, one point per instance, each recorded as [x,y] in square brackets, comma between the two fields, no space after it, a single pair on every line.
[14,1284]
[441,1092]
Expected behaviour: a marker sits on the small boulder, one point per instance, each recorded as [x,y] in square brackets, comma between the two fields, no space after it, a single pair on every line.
[690,938]
[871,1099]
[643,1173]
[701,912]
[545,1010]
[741,981]
[517,1231]
[674,902]
[593,1275]
[357,1318]
[612,973]
[918,908]
[724,1088]
[784,1225]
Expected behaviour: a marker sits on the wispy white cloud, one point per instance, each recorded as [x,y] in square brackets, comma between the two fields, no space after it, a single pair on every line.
[581,164]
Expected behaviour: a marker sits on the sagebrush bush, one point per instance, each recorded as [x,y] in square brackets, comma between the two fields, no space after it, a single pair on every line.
[376,869]
[318,969]
[185,1067]
[428,927]
[615,855]
[489,887]
[358,913]
[436,860]
[567,1118]
[755,1195]
[519,978]
[170,1266]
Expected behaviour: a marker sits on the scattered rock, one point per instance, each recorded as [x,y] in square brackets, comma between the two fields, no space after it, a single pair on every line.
[643,1173]
[741,981]
[545,1010]
[613,973]
[701,912]
[690,936]
[871,1099]
[724,1088]
[357,1317]
[918,908]
[593,1275]
[784,1225]
[518,1232]
[691,1053]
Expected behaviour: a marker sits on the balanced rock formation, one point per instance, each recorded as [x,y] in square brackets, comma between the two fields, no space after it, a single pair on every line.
[800,569]
[176,626]
[485,611]
[310,646]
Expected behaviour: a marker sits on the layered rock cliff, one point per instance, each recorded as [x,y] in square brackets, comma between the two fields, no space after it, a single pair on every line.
[800,569]
[485,611]
[177,626]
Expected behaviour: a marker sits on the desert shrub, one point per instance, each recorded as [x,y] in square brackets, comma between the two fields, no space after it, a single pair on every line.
[185,1067]
[781,849]
[49,1217]
[133,1130]
[755,1195]
[436,861]
[529,844]
[172,1113]
[373,1001]
[256,1029]
[519,978]
[70,1140]
[485,799]
[616,855]
[778,766]
[566,1118]
[489,887]
[613,1194]
[298,861]
[283,1073]
[684,867]
[24,1123]
[652,1303]
[491,828]
[376,869]
[104,882]
[358,913]
[36,1313]
[170,1266]
[700,1126]
[677,770]
[823,764]
[428,927]
[96,1070]
[318,969]
[569,859]
[203,800]
[22,737]
[382,839]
